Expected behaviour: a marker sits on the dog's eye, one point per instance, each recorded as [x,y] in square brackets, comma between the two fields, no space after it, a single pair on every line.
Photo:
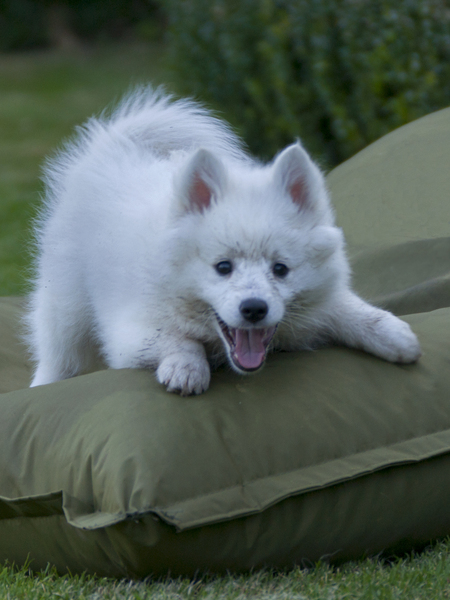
[224,267]
[280,270]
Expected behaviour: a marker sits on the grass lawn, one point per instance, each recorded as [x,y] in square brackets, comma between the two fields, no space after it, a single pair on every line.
[426,577]
[42,96]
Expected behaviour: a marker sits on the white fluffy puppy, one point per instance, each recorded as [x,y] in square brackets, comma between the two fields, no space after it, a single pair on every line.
[163,245]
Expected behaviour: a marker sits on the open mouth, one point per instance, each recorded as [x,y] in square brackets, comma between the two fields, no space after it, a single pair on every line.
[248,347]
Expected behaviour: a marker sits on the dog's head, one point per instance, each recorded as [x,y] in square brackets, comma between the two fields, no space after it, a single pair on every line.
[257,240]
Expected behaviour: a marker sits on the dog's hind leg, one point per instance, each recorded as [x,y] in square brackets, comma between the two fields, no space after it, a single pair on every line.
[59,338]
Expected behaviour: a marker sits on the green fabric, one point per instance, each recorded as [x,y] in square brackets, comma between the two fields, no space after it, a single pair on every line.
[397,189]
[14,370]
[392,200]
[331,454]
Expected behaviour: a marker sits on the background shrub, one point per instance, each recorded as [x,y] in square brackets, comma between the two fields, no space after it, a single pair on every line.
[21,25]
[337,73]
[29,24]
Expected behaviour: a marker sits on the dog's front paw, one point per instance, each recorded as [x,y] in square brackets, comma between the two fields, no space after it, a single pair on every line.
[394,340]
[184,374]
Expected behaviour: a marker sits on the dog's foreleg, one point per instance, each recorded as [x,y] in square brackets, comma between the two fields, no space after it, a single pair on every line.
[183,368]
[357,324]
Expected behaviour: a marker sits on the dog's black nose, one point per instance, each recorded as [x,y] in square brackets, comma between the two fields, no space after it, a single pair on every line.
[253,309]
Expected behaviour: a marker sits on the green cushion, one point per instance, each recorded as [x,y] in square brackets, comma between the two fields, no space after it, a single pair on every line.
[332,454]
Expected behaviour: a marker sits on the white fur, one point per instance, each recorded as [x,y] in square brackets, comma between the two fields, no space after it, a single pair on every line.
[141,209]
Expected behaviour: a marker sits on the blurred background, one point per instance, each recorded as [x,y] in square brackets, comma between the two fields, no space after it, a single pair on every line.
[337,73]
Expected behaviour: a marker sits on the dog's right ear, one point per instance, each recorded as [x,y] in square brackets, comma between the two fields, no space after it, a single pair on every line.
[202,182]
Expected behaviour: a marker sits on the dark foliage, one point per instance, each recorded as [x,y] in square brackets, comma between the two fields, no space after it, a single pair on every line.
[337,73]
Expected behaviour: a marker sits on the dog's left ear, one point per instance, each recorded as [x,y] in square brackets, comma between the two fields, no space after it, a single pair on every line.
[203,181]
[298,176]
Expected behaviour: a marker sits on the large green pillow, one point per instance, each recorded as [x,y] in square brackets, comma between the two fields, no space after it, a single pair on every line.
[332,454]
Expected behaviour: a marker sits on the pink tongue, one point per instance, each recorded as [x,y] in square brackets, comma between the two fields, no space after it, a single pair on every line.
[250,350]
